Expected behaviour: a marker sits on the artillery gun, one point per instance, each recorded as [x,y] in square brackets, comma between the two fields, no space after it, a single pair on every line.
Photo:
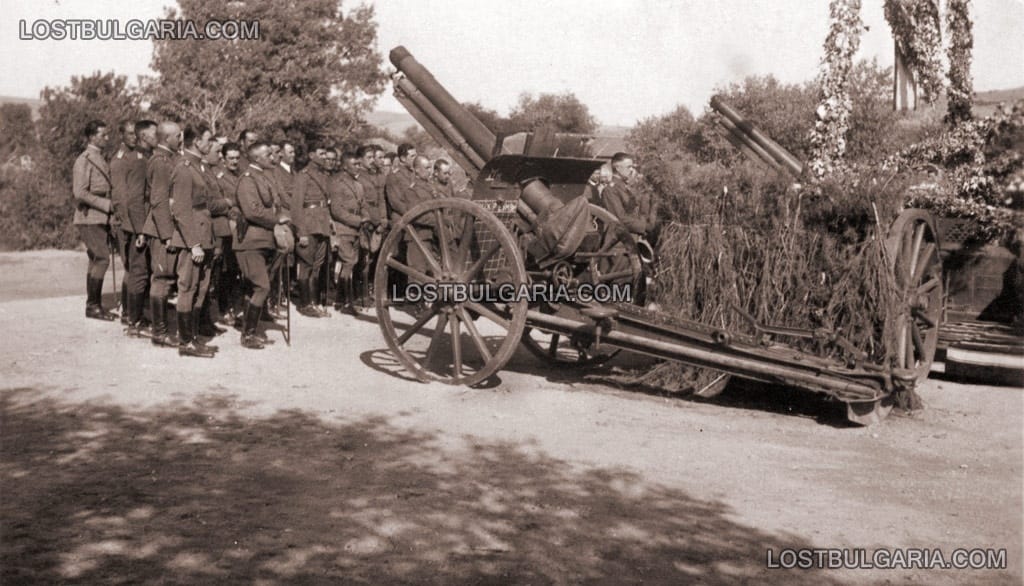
[527,228]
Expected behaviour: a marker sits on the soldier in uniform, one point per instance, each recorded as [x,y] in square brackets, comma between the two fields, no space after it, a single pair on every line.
[228,284]
[128,173]
[220,205]
[159,228]
[633,209]
[91,187]
[192,238]
[419,190]
[118,194]
[255,247]
[312,218]
[349,212]
[442,181]
[399,181]
[372,233]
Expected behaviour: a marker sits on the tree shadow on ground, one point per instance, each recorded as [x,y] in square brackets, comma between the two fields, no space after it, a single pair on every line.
[202,493]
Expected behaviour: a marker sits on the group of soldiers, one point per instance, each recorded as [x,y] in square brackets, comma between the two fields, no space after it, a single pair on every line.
[223,223]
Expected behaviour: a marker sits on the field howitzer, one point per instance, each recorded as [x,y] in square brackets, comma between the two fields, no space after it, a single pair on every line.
[742,134]
[520,231]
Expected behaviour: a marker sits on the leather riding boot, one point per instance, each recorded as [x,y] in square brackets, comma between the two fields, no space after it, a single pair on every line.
[305,307]
[158,306]
[250,322]
[124,303]
[197,331]
[206,326]
[94,301]
[186,338]
[349,292]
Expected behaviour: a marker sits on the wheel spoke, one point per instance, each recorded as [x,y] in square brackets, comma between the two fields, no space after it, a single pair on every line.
[923,317]
[443,237]
[915,251]
[481,346]
[928,286]
[901,350]
[435,339]
[488,313]
[431,259]
[477,266]
[465,238]
[923,263]
[408,270]
[908,345]
[915,336]
[456,346]
[417,325]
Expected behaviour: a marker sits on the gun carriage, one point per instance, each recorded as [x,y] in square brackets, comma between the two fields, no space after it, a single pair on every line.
[527,225]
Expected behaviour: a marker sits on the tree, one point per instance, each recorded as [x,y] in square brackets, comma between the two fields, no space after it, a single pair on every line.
[311,75]
[19,135]
[563,112]
[66,110]
[494,122]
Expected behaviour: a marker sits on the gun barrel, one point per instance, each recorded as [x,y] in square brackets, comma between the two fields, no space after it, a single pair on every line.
[772,148]
[745,144]
[477,136]
[436,125]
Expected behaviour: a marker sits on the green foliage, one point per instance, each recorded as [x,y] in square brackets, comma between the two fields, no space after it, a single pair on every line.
[311,76]
[961,42]
[19,134]
[832,124]
[918,37]
[562,112]
[66,110]
[494,122]
[35,211]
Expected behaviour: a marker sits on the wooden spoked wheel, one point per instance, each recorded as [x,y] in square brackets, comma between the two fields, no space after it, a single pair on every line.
[617,267]
[913,254]
[446,245]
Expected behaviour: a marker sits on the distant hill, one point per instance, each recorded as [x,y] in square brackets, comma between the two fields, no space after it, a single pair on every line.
[33,103]
[393,122]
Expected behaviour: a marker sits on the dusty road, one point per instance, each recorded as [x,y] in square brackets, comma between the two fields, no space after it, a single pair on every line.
[320,463]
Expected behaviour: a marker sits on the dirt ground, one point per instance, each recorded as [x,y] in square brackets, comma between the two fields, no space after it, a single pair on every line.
[323,463]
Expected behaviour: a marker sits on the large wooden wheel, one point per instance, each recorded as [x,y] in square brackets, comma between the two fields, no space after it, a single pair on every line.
[448,338]
[912,251]
[913,254]
[615,267]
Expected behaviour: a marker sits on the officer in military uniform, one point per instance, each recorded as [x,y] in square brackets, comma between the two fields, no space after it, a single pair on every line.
[631,208]
[229,280]
[220,205]
[128,169]
[399,181]
[159,227]
[372,233]
[312,218]
[192,238]
[419,190]
[91,188]
[349,212]
[255,246]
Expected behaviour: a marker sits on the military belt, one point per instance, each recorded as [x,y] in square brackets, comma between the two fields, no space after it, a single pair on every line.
[314,204]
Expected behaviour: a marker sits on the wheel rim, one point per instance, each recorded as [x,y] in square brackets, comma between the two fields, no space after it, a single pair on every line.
[467,244]
[913,255]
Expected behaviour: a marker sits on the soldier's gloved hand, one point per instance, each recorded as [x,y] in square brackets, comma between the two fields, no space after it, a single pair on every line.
[303,241]
[140,241]
[198,254]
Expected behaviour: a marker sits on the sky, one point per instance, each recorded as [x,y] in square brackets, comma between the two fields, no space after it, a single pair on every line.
[626,60]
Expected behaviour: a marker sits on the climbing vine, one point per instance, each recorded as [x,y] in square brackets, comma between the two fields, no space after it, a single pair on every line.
[832,116]
[961,41]
[916,29]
